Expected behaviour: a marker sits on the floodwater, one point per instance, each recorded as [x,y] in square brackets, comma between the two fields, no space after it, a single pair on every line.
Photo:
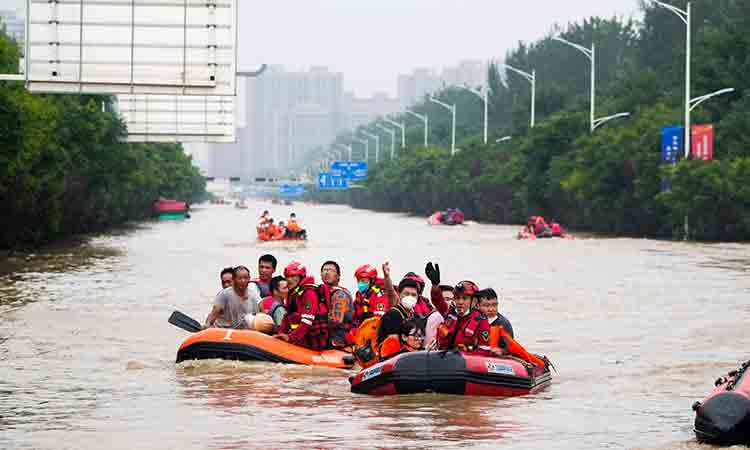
[638,330]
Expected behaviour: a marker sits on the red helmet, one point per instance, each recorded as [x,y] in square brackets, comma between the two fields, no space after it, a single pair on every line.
[295,268]
[415,277]
[466,288]
[366,271]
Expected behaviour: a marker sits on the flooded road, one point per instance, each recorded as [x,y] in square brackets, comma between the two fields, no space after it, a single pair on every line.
[638,330]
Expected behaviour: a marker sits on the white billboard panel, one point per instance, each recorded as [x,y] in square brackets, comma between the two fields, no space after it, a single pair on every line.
[178,118]
[176,47]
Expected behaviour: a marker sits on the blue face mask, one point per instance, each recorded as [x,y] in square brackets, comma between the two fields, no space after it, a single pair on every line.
[362,286]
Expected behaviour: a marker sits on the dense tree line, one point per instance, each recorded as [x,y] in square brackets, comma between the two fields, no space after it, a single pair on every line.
[65,168]
[611,180]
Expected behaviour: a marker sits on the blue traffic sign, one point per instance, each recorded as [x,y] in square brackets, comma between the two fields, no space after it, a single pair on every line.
[350,170]
[329,181]
[291,190]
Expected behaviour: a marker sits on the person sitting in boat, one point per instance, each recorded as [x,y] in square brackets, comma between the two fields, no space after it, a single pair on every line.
[234,303]
[306,322]
[488,305]
[263,221]
[393,319]
[293,229]
[557,230]
[371,298]
[409,339]
[282,229]
[227,274]
[424,307]
[465,327]
[266,268]
[275,304]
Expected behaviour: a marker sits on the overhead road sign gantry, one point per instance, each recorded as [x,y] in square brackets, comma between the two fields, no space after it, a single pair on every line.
[178,118]
[177,47]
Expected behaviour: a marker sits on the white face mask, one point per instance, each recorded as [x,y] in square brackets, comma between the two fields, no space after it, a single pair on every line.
[409,302]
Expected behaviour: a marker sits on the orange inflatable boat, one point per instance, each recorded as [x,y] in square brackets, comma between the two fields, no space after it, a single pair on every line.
[245,345]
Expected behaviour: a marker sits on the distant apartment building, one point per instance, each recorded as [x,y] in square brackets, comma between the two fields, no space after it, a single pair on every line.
[287,113]
[412,88]
[362,110]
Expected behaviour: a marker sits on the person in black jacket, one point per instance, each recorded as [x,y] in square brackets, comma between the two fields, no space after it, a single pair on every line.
[392,321]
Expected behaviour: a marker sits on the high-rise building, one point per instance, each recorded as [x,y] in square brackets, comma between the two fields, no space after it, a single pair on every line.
[469,73]
[414,87]
[360,111]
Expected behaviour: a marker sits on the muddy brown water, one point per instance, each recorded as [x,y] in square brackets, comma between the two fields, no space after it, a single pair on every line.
[637,328]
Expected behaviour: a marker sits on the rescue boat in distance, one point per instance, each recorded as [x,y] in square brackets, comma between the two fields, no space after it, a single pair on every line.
[451,372]
[246,345]
[723,417]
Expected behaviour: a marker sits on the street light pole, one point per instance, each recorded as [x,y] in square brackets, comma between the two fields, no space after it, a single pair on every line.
[531,78]
[425,120]
[591,55]
[452,109]
[367,147]
[392,132]
[377,143]
[401,126]
[485,98]
[347,148]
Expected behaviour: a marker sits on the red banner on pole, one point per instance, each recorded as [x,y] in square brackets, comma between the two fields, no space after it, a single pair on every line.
[703,142]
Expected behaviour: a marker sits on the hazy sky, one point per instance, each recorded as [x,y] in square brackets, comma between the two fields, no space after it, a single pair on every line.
[372,41]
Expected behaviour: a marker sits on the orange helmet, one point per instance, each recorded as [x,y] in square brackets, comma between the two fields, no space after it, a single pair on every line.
[366,271]
[295,268]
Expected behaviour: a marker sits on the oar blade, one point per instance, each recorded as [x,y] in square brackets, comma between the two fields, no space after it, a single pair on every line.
[185,322]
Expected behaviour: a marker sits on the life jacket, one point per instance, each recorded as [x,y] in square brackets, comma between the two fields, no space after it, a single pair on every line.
[263,287]
[461,334]
[293,226]
[423,308]
[365,342]
[317,337]
[340,312]
[266,304]
[374,302]
[556,229]
[498,335]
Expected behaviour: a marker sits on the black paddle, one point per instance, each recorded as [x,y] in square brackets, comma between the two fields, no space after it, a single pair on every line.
[185,322]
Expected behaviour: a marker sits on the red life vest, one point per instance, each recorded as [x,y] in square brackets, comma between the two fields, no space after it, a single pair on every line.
[307,319]
[374,302]
[469,333]
[423,308]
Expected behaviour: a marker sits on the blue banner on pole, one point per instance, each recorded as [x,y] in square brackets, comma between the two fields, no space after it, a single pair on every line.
[350,170]
[328,181]
[672,143]
[291,190]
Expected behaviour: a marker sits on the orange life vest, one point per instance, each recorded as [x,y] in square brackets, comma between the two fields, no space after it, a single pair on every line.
[514,348]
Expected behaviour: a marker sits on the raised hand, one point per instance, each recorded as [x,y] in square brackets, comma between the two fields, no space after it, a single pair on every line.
[433,273]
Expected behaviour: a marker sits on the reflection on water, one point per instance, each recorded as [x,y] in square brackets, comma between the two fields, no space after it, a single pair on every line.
[638,330]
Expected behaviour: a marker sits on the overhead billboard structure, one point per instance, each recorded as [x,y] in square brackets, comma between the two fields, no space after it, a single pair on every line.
[176,47]
[178,118]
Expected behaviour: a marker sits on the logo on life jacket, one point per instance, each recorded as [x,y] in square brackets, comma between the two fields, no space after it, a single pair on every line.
[486,335]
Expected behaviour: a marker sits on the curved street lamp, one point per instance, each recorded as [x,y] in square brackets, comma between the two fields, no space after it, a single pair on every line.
[485,98]
[425,120]
[531,78]
[591,55]
[452,109]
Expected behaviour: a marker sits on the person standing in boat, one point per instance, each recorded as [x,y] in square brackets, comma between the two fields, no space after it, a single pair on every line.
[234,303]
[339,303]
[306,322]
[266,268]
